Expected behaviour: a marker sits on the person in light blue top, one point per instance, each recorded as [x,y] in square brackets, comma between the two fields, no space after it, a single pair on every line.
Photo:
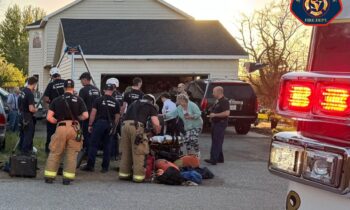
[168,105]
[12,101]
[190,114]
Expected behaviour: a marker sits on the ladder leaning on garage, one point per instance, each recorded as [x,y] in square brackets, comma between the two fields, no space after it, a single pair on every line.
[72,51]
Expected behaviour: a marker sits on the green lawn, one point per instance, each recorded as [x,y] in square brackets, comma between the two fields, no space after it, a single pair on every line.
[11,140]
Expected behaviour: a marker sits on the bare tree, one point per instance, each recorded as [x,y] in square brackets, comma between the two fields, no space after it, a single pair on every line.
[273,36]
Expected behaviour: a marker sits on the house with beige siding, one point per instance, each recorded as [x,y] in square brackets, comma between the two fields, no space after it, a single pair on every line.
[128,38]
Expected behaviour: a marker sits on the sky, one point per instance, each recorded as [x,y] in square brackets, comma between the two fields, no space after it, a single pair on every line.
[227,11]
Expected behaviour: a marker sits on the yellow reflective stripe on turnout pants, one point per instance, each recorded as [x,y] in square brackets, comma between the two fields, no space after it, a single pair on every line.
[68,175]
[130,162]
[123,175]
[137,178]
[63,143]
[50,174]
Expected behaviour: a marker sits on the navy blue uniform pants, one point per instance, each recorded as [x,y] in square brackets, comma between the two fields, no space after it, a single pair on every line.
[115,143]
[86,134]
[50,130]
[217,140]
[26,136]
[100,134]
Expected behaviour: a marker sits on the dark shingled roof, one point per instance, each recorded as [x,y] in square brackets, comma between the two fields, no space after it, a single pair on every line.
[35,23]
[150,37]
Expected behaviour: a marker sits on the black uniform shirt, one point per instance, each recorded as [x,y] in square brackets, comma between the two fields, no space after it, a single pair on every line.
[89,94]
[132,96]
[60,108]
[221,106]
[140,111]
[107,107]
[54,89]
[119,97]
[25,99]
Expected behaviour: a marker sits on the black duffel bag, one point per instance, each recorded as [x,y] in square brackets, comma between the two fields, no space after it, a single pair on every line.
[169,156]
[205,172]
[171,177]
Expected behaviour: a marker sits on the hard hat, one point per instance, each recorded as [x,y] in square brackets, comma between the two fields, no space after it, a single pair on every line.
[54,71]
[113,81]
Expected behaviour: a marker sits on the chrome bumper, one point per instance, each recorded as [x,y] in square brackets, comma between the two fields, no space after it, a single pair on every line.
[294,138]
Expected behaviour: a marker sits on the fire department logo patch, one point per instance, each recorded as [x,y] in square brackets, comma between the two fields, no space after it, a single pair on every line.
[316,12]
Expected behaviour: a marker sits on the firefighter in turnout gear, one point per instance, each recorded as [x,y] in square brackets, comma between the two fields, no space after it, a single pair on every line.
[134,142]
[52,91]
[66,111]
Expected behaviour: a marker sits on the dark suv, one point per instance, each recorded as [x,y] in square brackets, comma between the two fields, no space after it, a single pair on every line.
[243,101]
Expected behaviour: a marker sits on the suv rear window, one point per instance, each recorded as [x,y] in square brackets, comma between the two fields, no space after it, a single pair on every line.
[233,90]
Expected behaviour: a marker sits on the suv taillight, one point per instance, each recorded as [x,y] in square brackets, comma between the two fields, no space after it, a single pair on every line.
[204,104]
[2,119]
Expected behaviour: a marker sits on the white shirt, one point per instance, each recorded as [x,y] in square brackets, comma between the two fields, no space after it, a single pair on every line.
[168,106]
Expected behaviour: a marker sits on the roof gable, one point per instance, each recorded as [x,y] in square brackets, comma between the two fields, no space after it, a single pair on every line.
[42,23]
[150,37]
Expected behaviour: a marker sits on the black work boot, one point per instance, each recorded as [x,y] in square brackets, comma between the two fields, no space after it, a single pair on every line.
[129,178]
[138,181]
[66,182]
[210,161]
[104,170]
[49,180]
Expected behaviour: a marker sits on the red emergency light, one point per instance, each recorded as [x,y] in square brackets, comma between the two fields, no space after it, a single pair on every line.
[314,96]
[297,96]
[333,99]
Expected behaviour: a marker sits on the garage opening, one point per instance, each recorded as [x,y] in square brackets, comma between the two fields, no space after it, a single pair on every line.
[153,83]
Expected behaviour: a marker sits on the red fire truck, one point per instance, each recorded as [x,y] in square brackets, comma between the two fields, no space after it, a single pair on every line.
[316,158]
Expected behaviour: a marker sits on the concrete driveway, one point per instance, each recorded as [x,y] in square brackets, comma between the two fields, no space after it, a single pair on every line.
[242,182]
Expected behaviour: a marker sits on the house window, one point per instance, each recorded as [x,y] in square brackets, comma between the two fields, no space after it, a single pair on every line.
[37,40]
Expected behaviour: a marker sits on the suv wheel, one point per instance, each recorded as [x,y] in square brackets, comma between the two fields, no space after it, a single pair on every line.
[242,128]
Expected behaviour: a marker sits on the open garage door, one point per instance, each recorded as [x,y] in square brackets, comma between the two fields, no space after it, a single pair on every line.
[154,84]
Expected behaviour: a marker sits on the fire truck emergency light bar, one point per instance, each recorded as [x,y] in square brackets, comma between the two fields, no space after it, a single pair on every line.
[315,96]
